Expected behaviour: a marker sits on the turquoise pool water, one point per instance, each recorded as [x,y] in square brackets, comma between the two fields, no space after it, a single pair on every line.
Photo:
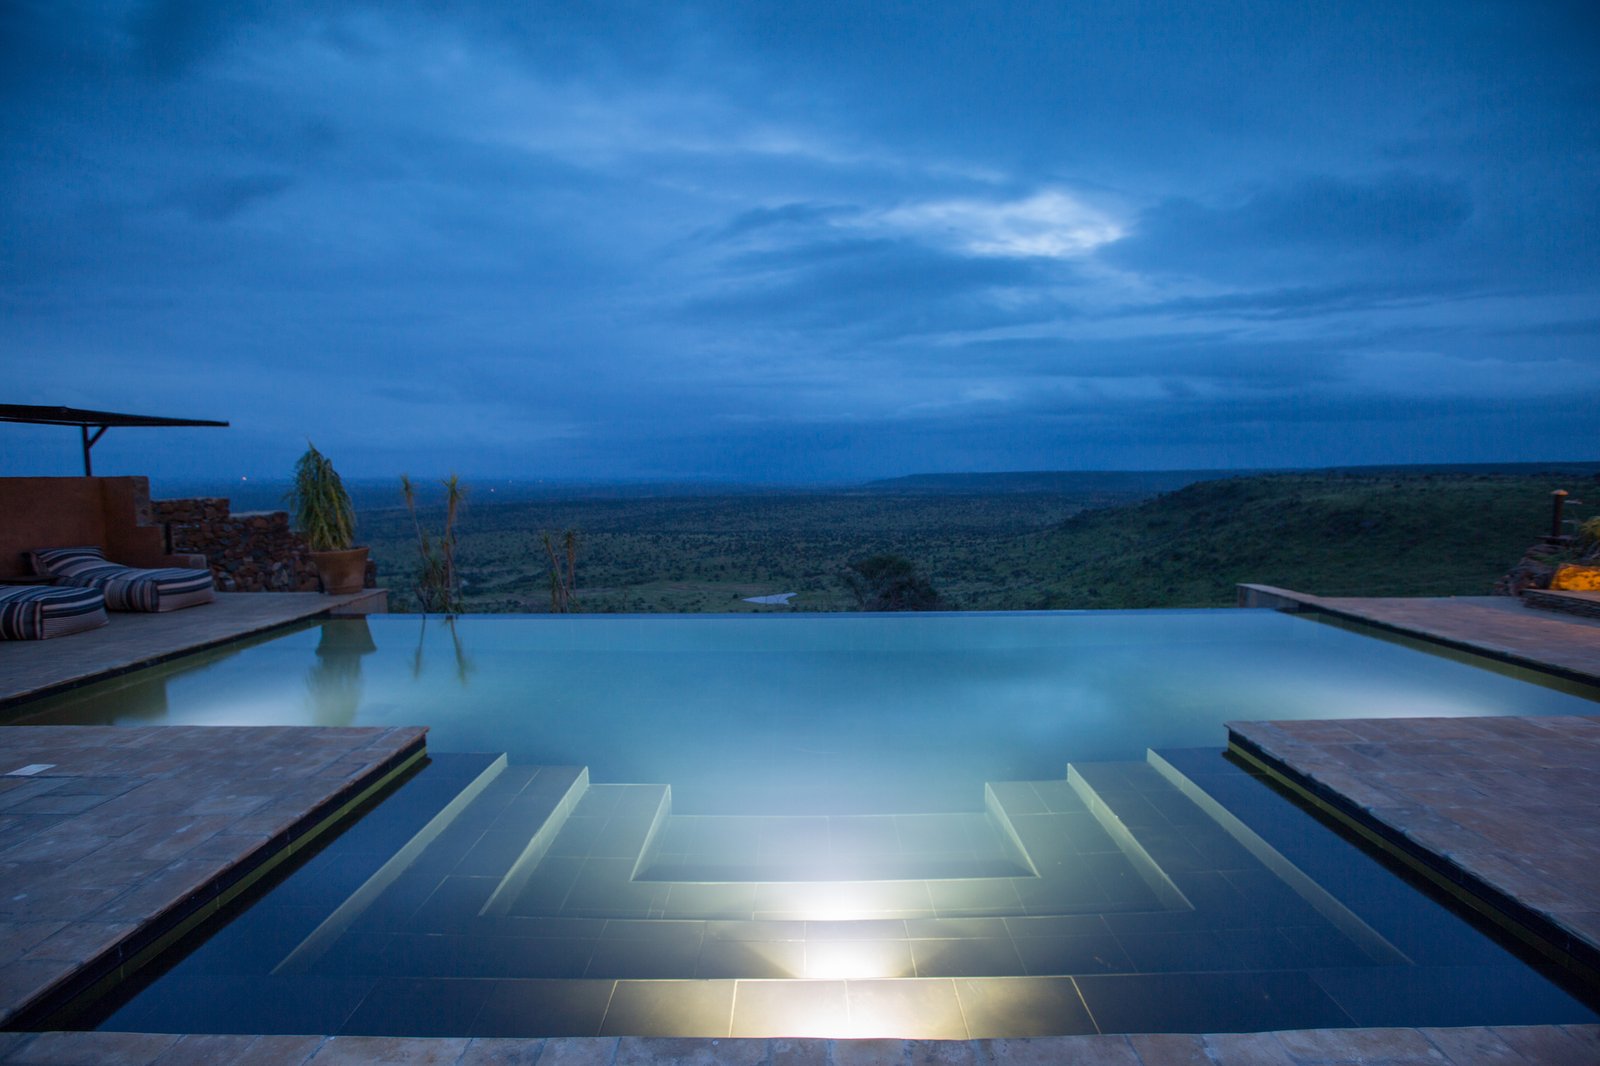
[831,826]
[827,714]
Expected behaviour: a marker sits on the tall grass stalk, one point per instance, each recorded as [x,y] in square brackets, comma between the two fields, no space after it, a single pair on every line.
[563,583]
[438,585]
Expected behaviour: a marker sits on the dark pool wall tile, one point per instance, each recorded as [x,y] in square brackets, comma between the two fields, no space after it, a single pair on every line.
[543,1008]
[1215,1002]
[418,1007]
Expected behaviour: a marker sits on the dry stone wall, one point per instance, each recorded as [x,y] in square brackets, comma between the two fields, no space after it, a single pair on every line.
[253,551]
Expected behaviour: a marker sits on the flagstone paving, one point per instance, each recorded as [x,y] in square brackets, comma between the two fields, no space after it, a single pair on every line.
[31,668]
[1506,807]
[111,838]
[1534,1045]
[1498,626]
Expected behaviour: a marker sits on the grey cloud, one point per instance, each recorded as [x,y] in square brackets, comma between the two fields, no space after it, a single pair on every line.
[1309,301]
[172,35]
[839,284]
[1572,327]
[223,199]
[793,216]
[1231,359]
[1305,218]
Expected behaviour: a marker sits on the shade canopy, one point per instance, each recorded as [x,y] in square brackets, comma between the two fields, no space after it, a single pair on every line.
[98,421]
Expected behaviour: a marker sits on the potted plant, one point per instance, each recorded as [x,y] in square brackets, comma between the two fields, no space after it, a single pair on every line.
[327,520]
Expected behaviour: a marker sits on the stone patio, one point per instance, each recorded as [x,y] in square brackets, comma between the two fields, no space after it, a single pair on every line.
[1499,626]
[31,668]
[1503,807]
[115,841]
[1508,1046]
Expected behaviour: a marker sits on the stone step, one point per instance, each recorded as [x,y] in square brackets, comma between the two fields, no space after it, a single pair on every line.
[1583,604]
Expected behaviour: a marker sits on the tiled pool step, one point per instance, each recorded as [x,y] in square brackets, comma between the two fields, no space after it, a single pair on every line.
[1247,951]
[882,847]
[607,862]
[1450,962]
[584,915]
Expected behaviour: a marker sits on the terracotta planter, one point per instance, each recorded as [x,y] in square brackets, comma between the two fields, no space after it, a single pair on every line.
[341,572]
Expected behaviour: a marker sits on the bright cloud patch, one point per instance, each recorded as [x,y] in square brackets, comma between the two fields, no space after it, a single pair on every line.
[1050,224]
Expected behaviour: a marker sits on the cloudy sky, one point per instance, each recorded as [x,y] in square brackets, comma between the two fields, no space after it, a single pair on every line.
[799,241]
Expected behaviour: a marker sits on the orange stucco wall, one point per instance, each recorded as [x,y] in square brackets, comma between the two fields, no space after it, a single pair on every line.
[65,512]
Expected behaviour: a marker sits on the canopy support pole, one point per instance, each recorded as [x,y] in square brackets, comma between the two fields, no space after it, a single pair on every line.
[88,442]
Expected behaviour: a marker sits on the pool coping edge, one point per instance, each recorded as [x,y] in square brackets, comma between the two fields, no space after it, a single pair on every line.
[1526,923]
[78,990]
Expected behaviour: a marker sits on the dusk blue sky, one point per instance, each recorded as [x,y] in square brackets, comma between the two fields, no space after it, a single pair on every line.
[798,241]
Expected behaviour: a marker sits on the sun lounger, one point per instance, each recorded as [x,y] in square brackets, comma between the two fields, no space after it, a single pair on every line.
[125,588]
[38,612]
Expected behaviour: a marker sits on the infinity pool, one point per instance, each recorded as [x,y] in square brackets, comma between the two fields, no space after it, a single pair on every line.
[828,714]
[942,825]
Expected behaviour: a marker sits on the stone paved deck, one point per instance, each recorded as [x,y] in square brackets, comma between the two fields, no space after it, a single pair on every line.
[1583,604]
[1507,1046]
[1504,807]
[113,840]
[1499,626]
[33,667]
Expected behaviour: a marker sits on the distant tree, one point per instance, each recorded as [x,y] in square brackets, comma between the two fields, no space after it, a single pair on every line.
[563,582]
[890,583]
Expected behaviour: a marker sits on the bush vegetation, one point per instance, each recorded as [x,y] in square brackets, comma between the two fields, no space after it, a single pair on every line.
[1404,534]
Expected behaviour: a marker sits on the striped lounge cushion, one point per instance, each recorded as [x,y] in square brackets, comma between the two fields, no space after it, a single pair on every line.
[125,588]
[36,612]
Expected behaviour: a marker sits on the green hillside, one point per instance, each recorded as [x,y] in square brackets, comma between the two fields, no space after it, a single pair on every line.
[1357,533]
[1336,535]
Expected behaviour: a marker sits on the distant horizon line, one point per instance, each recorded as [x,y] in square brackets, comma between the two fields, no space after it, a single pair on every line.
[715,479]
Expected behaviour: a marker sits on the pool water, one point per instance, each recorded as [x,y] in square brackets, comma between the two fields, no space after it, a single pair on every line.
[919,826]
[816,714]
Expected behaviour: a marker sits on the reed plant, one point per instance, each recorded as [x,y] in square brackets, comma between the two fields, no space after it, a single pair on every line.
[563,582]
[438,584]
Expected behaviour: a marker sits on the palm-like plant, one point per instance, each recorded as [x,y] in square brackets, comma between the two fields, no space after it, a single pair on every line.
[322,507]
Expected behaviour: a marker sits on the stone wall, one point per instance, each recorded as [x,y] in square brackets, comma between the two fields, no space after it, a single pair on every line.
[247,552]
[1540,563]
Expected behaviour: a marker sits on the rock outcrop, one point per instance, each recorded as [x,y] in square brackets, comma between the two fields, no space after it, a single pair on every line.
[1540,563]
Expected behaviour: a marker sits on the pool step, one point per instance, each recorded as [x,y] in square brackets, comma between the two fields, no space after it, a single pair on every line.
[458,860]
[1125,874]
[786,868]
[1248,937]
[798,848]
[1224,867]
[1113,870]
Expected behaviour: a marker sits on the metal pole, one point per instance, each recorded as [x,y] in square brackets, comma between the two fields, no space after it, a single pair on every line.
[88,442]
[1558,500]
